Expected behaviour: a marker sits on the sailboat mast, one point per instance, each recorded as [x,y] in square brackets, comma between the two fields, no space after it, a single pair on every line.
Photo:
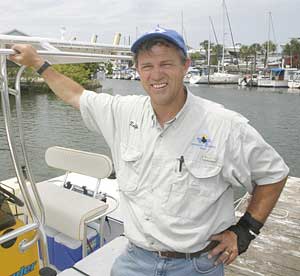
[208,54]
[182,34]
[268,44]
[231,35]
[223,29]
[214,31]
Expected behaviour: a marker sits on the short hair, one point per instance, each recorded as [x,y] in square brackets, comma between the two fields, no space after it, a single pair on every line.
[147,45]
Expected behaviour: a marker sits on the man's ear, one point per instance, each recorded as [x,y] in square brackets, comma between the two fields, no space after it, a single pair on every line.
[187,64]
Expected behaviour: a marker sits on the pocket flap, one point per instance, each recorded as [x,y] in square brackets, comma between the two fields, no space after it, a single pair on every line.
[129,153]
[203,169]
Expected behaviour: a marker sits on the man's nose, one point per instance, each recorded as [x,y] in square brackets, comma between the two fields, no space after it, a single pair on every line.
[156,73]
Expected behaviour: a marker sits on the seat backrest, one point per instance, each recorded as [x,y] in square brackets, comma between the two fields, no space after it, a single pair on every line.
[81,162]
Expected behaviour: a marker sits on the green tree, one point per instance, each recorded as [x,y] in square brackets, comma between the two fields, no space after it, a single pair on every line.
[255,49]
[204,44]
[292,50]
[245,54]
[109,68]
[81,73]
[28,76]
[92,67]
[216,53]
[195,56]
[268,48]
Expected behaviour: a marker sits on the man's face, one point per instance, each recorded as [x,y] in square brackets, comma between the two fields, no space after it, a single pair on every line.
[161,72]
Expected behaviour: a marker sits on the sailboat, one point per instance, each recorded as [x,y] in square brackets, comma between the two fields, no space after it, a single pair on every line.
[220,77]
[278,77]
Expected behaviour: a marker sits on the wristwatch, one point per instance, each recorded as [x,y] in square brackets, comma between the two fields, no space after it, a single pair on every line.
[45,65]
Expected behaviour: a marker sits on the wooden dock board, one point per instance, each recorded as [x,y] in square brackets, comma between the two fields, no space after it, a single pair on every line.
[276,251]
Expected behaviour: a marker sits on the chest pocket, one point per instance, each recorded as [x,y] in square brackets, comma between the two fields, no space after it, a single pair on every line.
[196,188]
[129,170]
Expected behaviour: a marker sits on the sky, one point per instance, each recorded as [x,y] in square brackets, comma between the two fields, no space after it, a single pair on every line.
[82,19]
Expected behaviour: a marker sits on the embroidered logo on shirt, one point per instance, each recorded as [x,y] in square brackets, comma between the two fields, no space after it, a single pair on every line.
[133,124]
[204,142]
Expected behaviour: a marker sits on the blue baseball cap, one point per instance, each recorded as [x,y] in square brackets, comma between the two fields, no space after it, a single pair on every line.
[159,32]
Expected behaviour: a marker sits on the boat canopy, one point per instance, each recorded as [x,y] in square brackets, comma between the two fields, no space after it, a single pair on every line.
[277,70]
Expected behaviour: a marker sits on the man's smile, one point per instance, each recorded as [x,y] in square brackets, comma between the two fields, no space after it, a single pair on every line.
[159,85]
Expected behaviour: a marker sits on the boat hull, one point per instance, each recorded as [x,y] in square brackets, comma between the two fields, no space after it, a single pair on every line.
[272,83]
[216,78]
[294,84]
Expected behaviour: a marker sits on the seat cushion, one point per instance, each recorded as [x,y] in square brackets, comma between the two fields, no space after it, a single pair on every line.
[66,211]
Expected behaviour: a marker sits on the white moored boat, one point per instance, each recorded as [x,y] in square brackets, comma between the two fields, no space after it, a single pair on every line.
[191,73]
[276,78]
[215,78]
[295,81]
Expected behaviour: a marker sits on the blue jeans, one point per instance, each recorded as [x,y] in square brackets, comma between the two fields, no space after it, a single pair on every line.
[135,261]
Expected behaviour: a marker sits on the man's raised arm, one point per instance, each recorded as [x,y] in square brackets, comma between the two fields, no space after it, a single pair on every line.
[65,88]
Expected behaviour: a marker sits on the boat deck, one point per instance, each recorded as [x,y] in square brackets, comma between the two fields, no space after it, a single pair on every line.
[276,251]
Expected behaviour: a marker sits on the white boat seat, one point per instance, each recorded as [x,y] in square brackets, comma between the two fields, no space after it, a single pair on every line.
[67,211]
[81,162]
[99,262]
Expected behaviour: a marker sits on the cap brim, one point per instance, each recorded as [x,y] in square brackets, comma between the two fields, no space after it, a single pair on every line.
[145,37]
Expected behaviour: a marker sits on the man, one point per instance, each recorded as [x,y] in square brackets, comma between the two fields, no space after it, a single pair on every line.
[177,158]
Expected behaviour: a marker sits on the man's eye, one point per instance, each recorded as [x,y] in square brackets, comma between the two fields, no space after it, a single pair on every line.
[146,67]
[167,64]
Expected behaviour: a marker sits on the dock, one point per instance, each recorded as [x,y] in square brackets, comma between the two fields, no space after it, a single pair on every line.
[276,251]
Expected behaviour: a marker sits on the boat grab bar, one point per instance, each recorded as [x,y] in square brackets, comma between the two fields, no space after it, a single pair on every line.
[18,232]
[37,221]
[7,52]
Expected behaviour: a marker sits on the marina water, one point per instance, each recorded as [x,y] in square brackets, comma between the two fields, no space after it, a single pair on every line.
[275,113]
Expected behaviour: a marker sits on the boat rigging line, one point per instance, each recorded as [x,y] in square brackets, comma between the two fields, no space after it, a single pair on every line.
[233,43]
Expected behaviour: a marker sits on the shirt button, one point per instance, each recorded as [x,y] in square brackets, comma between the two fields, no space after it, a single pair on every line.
[147,218]
[152,243]
[160,135]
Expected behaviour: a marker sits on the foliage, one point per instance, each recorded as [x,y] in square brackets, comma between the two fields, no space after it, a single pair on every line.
[195,56]
[109,68]
[28,76]
[245,53]
[81,73]
[268,45]
[292,50]
[205,44]
[267,48]
[255,48]
[216,53]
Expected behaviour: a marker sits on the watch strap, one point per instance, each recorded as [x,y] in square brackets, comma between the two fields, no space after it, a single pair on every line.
[45,65]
